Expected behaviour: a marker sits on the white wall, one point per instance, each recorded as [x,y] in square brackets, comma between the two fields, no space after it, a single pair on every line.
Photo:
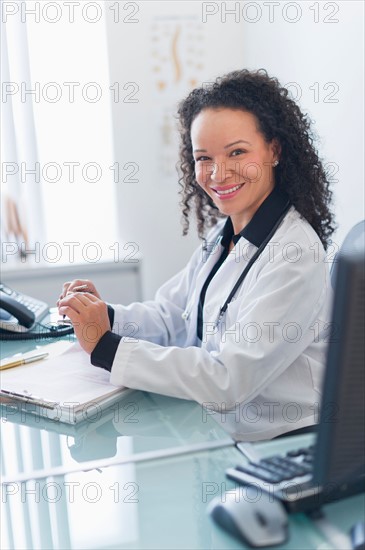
[304,52]
[144,132]
[116,282]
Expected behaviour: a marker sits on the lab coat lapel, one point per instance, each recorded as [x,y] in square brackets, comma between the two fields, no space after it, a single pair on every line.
[226,277]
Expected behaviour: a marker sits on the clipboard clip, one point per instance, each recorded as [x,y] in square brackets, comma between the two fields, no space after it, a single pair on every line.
[29,399]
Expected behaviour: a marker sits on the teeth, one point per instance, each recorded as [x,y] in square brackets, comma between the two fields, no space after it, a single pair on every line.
[231,190]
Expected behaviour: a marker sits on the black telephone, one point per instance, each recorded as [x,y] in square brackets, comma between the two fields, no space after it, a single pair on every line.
[21,316]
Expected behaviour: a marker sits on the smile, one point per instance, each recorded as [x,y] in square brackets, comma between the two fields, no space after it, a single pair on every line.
[222,192]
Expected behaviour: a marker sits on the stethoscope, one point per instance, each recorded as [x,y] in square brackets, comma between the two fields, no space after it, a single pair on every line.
[186,314]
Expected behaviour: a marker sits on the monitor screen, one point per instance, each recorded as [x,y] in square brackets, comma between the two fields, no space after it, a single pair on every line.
[340,445]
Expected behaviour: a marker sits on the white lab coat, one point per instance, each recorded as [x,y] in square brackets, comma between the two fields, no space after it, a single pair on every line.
[259,372]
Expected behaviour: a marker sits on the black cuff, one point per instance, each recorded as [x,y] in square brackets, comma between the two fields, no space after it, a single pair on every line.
[104,352]
[111,316]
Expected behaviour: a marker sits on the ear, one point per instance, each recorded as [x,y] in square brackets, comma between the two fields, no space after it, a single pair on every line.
[276,148]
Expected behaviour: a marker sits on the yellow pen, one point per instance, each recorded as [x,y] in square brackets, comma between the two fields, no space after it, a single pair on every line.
[23,361]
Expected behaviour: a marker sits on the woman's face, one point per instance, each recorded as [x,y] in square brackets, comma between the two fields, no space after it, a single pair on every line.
[233,162]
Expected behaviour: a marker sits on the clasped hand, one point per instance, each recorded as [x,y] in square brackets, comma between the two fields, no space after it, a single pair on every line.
[81,302]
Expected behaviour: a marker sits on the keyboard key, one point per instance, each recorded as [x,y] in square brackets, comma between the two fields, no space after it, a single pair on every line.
[294,454]
[256,471]
[290,470]
[280,472]
[305,451]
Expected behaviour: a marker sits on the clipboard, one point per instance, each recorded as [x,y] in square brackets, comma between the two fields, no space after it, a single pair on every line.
[64,387]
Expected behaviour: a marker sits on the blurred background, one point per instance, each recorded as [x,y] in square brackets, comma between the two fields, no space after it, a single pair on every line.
[89,186]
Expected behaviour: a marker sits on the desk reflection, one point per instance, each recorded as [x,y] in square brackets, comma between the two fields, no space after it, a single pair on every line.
[143,505]
[153,504]
[102,507]
[139,422]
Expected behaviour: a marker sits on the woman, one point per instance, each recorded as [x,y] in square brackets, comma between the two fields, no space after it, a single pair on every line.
[252,350]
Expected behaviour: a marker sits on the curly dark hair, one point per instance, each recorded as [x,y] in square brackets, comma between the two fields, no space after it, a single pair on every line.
[300,172]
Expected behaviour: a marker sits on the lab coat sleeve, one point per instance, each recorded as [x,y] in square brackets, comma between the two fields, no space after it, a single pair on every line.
[281,308]
[160,320]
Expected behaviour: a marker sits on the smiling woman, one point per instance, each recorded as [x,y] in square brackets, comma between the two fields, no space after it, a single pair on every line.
[242,328]
[281,134]
[238,175]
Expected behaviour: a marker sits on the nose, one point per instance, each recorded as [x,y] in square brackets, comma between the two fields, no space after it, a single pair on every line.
[218,172]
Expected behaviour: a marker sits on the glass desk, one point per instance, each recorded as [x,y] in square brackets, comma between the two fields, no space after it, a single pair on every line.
[141,477]
[140,424]
[157,504]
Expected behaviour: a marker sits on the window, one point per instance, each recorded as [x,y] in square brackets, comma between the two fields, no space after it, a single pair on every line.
[57,107]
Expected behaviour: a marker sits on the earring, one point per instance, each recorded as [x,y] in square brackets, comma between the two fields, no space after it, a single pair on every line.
[276,162]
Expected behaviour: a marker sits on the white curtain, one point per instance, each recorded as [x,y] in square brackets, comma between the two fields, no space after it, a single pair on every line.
[67,219]
[19,188]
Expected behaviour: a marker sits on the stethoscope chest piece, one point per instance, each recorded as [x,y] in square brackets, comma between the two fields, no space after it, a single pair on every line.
[185,315]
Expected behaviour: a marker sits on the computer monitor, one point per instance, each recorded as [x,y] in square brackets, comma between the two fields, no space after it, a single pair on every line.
[340,448]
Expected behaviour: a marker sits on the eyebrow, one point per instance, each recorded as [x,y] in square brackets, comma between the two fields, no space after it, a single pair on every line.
[225,147]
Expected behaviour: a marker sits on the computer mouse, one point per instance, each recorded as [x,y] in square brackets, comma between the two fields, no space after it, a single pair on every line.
[358,536]
[258,522]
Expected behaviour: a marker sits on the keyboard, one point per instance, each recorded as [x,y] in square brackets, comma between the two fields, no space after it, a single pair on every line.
[289,478]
